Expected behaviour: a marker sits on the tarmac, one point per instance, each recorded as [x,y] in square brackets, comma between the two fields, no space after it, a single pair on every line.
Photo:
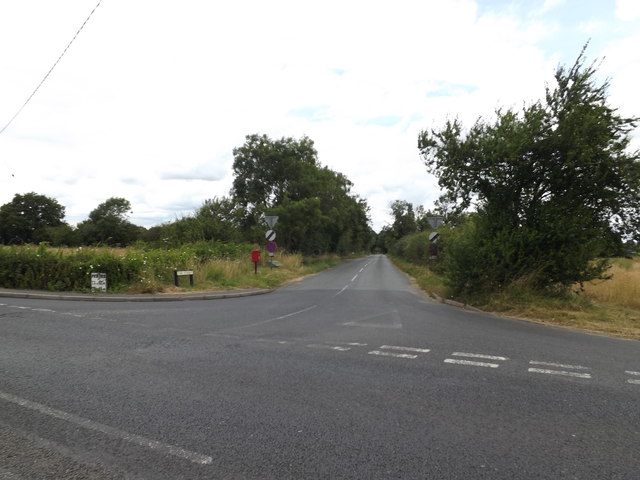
[110,297]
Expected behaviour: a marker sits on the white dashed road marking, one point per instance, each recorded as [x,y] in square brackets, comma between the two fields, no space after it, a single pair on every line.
[330,347]
[471,363]
[383,351]
[559,365]
[634,381]
[562,373]
[391,354]
[475,363]
[405,349]
[478,355]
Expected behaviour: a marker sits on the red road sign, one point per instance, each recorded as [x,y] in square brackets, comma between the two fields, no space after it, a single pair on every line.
[272,247]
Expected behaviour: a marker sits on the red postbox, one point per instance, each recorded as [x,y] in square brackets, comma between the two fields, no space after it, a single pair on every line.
[255,258]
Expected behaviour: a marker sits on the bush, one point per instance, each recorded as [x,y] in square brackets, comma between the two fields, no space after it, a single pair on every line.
[41,268]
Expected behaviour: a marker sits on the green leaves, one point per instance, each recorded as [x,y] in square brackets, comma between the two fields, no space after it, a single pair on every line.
[283,177]
[553,183]
[26,218]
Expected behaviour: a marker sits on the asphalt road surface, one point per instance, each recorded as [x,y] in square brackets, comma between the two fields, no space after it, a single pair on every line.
[347,374]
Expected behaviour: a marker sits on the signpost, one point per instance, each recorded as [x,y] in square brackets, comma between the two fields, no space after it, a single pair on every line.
[270,236]
[271,220]
[182,273]
[272,247]
[435,222]
[98,282]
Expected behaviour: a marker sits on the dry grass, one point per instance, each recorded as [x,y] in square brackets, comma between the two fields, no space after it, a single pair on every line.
[225,274]
[623,289]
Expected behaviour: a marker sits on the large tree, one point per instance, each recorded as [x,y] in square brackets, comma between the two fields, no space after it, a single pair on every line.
[553,185]
[283,177]
[108,224]
[28,218]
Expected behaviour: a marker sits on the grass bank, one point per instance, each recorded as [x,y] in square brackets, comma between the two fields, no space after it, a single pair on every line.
[610,307]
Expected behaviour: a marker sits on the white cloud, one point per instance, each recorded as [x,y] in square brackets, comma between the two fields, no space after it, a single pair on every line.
[628,10]
[151,99]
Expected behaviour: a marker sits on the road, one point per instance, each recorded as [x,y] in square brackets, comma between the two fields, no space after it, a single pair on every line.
[347,374]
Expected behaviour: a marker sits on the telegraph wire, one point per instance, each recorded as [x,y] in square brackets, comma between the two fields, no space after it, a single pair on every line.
[50,70]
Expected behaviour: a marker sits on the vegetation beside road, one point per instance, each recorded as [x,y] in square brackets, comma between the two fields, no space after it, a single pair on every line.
[141,269]
[609,307]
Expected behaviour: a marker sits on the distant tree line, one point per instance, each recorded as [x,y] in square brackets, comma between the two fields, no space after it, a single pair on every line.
[316,209]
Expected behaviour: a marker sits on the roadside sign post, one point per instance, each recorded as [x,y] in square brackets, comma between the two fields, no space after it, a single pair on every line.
[435,222]
[98,282]
[271,249]
[182,273]
[271,220]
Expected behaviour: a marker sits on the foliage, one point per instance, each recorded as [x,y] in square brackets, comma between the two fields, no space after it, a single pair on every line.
[42,268]
[28,218]
[217,220]
[553,186]
[317,213]
[414,248]
[107,224]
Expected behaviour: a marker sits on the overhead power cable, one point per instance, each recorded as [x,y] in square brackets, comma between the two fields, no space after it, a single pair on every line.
[50,70]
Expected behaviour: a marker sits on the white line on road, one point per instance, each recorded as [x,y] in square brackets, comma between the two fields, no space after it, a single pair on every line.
[560,372]
[343,289]
[296,313]
[354,277]
[17,306]
[329,347]
[356,344]
[271,340]
[391,354]
[633,381]
[471,363]
[478,355]
[111,431]
[559,365]
[225,335]
[42,310]
[405,349]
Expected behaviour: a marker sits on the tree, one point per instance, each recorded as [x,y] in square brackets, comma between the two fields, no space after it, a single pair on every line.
[552,184]
[27,217]
[404,219]
[108,224]
[316,209]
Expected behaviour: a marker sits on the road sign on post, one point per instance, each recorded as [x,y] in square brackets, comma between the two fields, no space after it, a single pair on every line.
[270,235]
[435,222]
[272,247]
[271,220]
[98,282]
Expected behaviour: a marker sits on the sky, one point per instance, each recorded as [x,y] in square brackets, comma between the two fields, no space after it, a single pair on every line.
[152,97]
